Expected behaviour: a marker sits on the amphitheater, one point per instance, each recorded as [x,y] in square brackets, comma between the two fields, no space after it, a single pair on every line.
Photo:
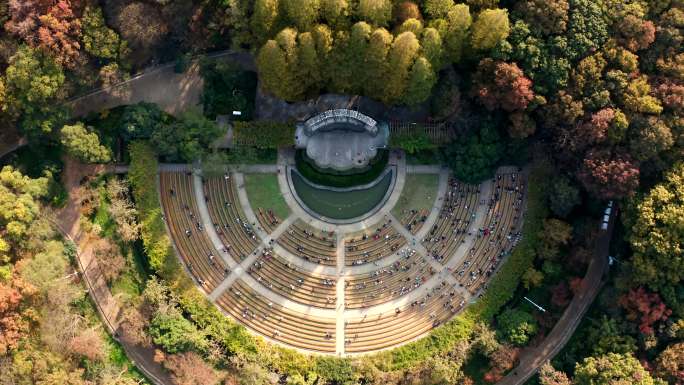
[340,289]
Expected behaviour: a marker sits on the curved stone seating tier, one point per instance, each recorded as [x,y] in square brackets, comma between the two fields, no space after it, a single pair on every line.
[498,235]
[184,223]
[236,233]
[267,219]
[290,282]
[460,204]
[413,220]
[388,283]
[271,320]
[372,244]
[403,324]
[309,243]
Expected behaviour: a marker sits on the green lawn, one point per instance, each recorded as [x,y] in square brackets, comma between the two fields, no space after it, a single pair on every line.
[420,191]
[263,191]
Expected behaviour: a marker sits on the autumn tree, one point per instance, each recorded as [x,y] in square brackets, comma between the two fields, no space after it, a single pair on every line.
[635,33]
[433,47]
[609,174]
[670,364]
[502,85]
[611,369]
[490,27]
[84,144]
[88,344]
[549,16]
[141,25]
[550,376]
[13,325]
[50,25]
[555,235]
[110,259]
[645,308]
[189,369]
[123,210]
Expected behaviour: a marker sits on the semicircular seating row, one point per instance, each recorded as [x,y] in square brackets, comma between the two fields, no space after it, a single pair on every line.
[383,281]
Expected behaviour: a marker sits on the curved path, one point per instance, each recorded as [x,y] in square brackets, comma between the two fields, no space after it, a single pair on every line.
[534,357]
[67,221]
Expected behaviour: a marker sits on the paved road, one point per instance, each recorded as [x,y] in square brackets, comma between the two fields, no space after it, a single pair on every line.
[532,358]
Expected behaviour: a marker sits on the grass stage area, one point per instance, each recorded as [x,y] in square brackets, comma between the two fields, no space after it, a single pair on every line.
[420,191]
[263,191]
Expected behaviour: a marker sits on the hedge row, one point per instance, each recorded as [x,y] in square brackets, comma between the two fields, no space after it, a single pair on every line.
[142,175]
[263,134]
[375,167]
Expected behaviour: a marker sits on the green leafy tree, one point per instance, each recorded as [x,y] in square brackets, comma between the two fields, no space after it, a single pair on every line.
[532,278]
[458,23]
[516,326]
[611,369]
[433,47]
[84,144]
[98,39]
[175,333]
[437,9]
[400,61]
[587,27]
[378,12]
[608,336]
[555,235]
[309,64]
[30,88]
[376,60]
[564,196]
[139,121]
[277,63]
[421,80]
[490,27]
[186,139]
[475,157]
[334,12]
[302,13]
[19,205]
[264,17]
[657,235]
